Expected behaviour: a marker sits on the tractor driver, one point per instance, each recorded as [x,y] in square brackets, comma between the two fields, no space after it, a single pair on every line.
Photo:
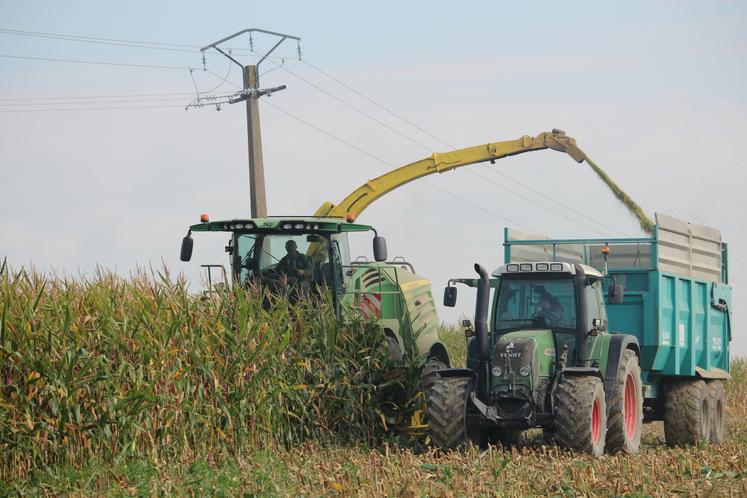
[550,309]
[297,267]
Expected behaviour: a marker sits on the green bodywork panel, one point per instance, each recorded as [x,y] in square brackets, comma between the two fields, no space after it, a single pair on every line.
[546,354]
[400,300]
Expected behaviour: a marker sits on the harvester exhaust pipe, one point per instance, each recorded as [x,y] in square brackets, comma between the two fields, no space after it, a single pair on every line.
[481,331]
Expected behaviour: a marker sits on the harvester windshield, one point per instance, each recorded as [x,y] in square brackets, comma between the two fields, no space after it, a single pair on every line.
[266,255]
[531,303]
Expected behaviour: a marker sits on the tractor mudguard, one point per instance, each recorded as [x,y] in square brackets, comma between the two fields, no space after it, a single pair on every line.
[456,372]
[580,371]
[618,344]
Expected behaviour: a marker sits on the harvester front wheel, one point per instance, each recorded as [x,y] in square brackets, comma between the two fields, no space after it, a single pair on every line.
[625,407]
[432,366]
[447,412]
[687,413]
[718,425]
[581,414]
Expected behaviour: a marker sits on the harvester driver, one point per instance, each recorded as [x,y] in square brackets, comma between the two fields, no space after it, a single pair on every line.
[297,267]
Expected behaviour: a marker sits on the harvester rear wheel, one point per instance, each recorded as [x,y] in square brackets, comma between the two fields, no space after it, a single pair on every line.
[718,406]
[625,407]
[687,413]
[447,413]
[581,414]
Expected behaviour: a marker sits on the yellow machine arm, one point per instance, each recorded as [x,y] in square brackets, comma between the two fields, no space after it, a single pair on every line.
[352,206]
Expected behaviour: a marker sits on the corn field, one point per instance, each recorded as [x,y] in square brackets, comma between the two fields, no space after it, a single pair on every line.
[105,368]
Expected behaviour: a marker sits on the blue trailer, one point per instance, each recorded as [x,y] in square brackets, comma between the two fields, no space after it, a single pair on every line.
[587,338]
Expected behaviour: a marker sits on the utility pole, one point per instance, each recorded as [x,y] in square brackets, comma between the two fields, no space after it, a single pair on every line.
[251,94]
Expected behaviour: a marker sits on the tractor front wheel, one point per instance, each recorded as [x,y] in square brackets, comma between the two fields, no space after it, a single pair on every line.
[581,414]
[625,403]
[687,413]
[447,413]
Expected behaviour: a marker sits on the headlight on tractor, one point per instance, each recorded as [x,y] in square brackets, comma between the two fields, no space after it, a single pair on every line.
[524,371]
[496,371]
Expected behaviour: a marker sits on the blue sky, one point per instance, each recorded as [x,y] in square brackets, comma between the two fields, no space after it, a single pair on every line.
[653,91]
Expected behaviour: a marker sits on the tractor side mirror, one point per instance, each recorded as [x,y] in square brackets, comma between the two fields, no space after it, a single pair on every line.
[615,294]
[187,245]
[379,248]
[450,296]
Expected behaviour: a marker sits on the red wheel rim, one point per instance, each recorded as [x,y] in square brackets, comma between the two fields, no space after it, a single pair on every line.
[595,421]
[631,407]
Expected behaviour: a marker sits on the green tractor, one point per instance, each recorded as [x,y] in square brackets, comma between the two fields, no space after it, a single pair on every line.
[545,363]
[387,292]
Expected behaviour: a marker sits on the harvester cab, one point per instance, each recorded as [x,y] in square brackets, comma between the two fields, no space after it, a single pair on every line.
[288,255]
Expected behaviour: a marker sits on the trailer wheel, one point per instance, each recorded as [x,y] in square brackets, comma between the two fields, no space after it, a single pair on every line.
[718,421]
[447,413]
[687,413]
[581,414]
[625,407]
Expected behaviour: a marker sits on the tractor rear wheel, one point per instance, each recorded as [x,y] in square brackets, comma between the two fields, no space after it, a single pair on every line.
[716,395]
[625,407]
[581,414]
[447,413]
[687,413]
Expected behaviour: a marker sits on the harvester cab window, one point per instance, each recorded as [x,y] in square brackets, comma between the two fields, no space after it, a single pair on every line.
[526,304]
[273,249]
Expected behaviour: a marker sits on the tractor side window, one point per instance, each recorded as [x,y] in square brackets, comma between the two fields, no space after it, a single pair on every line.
[592,304]
[600,298]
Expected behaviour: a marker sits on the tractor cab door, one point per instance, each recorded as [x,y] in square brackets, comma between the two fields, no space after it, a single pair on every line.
[595,320]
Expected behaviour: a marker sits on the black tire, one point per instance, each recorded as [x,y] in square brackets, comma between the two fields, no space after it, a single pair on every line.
[447,413]
[718,414]
[687,419]
[432,366]
[581,414]
[392,345]
[625,407]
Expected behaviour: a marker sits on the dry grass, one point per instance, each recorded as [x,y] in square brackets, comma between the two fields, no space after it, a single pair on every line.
[150,383]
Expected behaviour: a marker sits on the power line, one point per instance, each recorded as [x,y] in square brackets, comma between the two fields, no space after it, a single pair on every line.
[380,106]
[390,165]
[356,109]
[422,130]
[100,63]
[90,102]
[71,97]
[528,187]
[489,180]
[177,47]
[528,199]
[96,108]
